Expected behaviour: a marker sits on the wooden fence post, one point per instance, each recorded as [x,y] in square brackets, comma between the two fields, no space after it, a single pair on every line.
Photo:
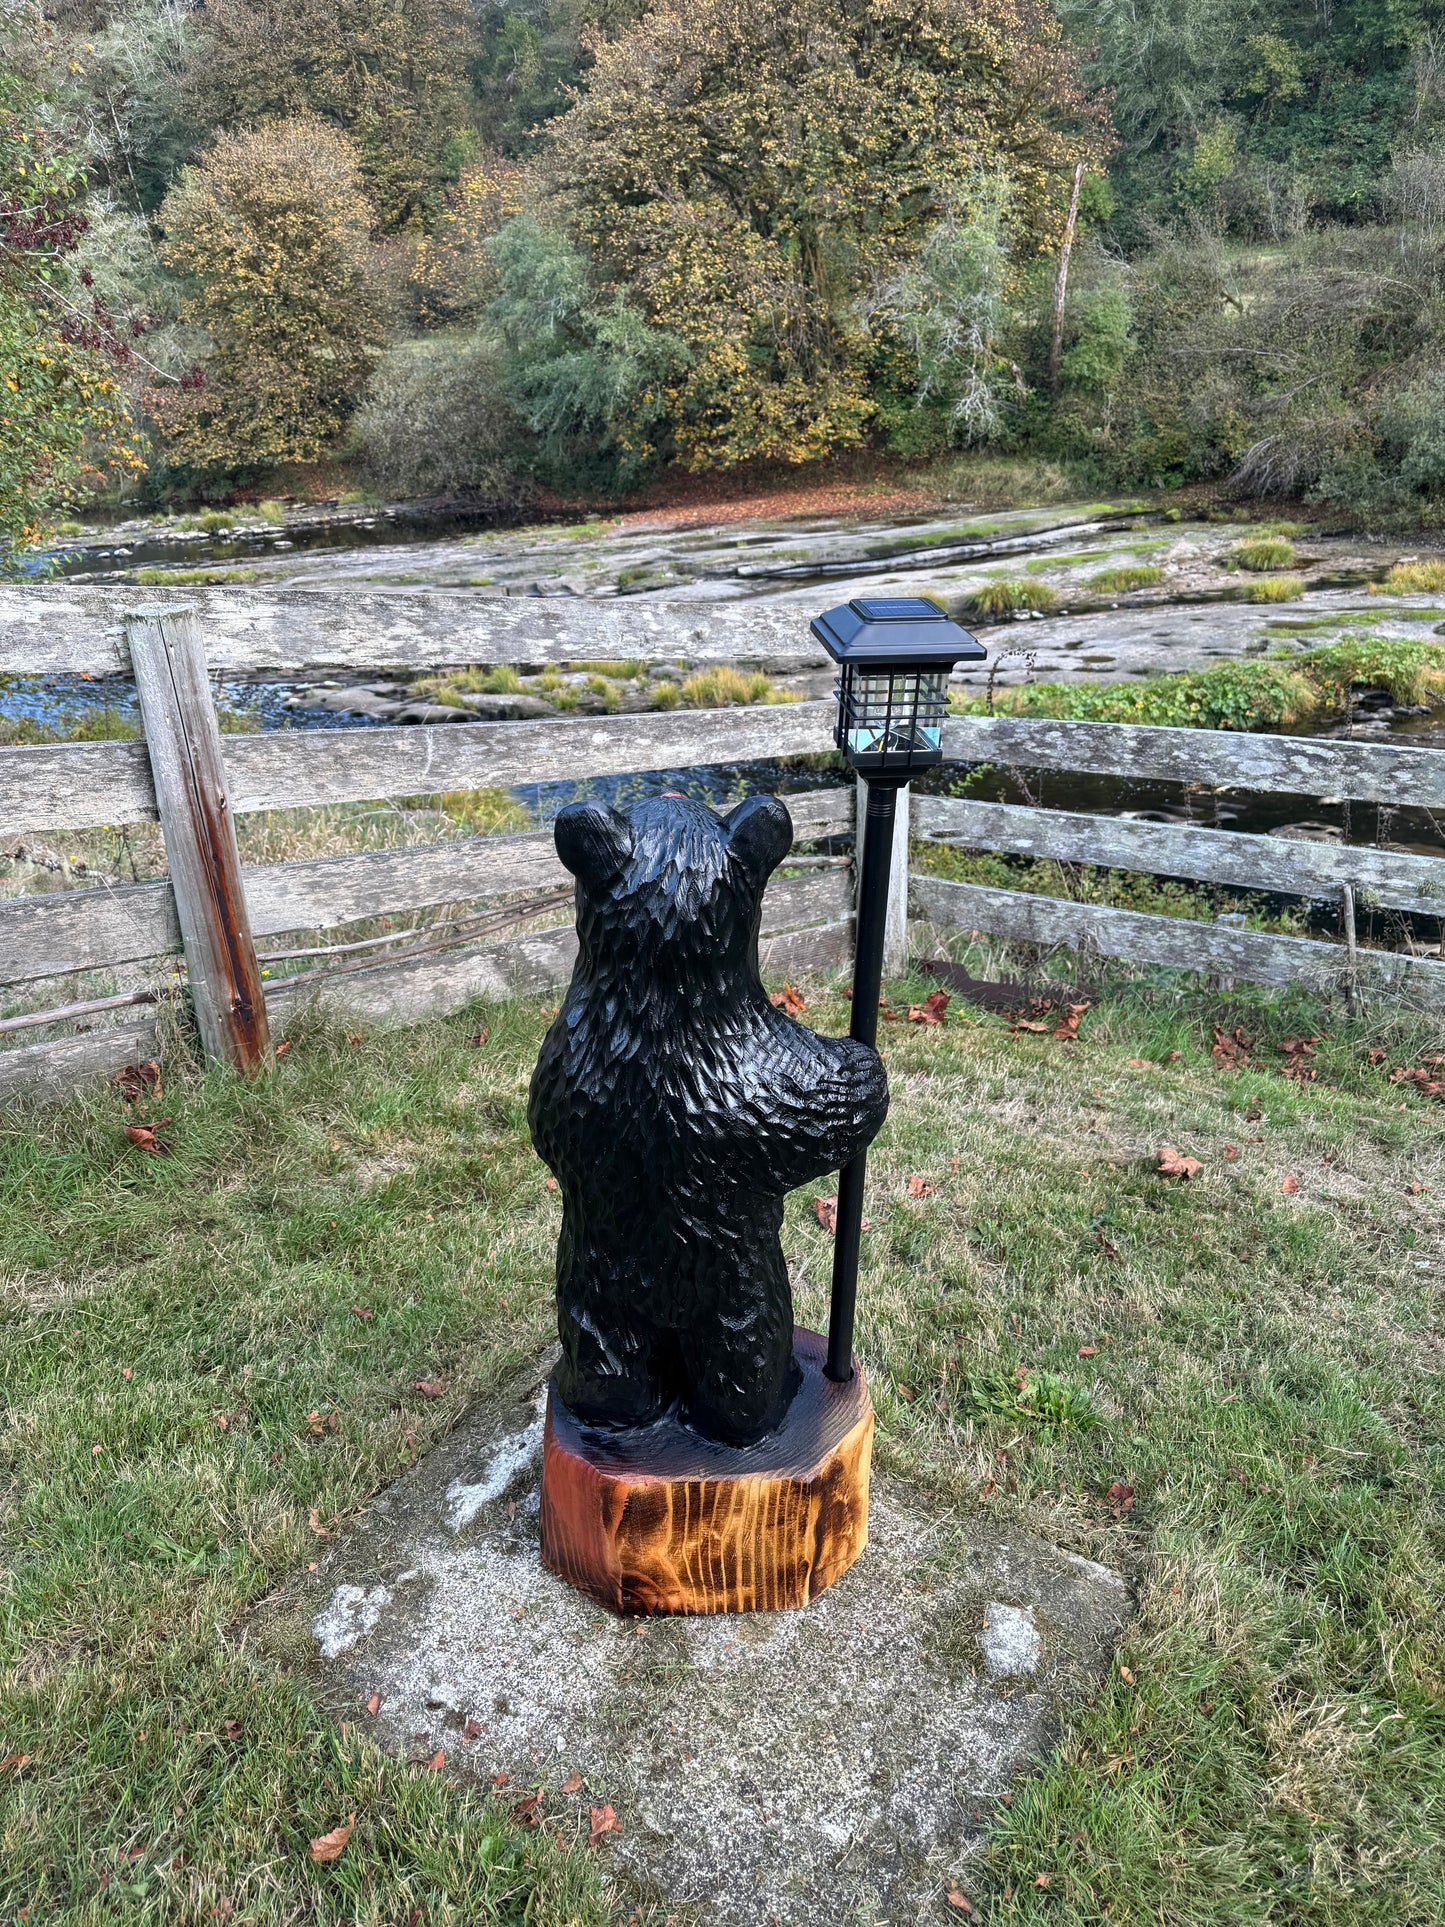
[169,662]
[895,934]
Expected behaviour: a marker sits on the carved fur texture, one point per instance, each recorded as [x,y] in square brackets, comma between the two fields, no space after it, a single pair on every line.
[675,1107]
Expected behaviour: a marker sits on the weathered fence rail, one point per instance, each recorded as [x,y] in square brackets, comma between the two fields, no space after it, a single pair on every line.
[183,770]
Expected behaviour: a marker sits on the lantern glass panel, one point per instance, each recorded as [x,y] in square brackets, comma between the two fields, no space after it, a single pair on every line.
[891,719]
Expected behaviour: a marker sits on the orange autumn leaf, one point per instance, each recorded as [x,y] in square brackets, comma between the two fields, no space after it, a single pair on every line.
[789,1000]
[327,1847]
[1172,1164]
[604,1821]
[931,1010]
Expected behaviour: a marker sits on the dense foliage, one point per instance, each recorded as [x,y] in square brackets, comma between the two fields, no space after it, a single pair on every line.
[270,233]
[730,231]
[63,418]
[756,173]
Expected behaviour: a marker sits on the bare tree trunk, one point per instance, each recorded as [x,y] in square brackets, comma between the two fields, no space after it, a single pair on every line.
[1061,285]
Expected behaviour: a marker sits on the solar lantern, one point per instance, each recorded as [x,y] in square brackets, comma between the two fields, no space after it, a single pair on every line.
[894,657]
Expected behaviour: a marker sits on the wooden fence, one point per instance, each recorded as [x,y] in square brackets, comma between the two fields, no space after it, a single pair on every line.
[213,909]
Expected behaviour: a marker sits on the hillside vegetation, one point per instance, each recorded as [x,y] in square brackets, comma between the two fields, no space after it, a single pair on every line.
[567,244]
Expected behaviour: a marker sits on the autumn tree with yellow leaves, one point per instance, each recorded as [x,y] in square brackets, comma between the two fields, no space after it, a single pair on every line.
[391,74]
[756,172]
[271,233]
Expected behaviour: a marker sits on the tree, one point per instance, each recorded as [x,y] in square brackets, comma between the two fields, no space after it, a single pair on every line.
[64,419]
[589,377]
[1258,111]
[951,305]
[753,171]
[392,74]
[271,232]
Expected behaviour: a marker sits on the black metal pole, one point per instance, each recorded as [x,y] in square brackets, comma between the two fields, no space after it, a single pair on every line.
[876,857]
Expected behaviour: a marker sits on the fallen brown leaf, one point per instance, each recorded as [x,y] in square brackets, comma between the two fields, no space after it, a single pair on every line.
[373,1705]
[15,1762]
[471,1732]
[604,1821]
[360,1311]
[528,1810]
[1121,1495]
[144,1135]
[1231,1048]
[1109,1251]
[826,1212]
[429,1388]
[791,1002]
[1172,1164]
[138,1080]
[551,1183]
[1067,1028]
[330,1846]
[314,1520]
[1142,1064]
[1088,1351]
[1041,1880]
[437,1761]
[931,1010]
[920,1188]
[572,1783]
[1414,1188]
[1126,1676]
[479,1039]
[959,1900]
[1290,1185]
[1231,1150]
[232,1729]
[1020,1023]
[283,1047]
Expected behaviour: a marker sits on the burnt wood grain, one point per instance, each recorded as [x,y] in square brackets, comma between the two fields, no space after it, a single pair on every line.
[658,1519]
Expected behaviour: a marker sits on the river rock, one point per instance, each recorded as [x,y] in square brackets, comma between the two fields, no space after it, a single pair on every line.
[430,713]
[508,709]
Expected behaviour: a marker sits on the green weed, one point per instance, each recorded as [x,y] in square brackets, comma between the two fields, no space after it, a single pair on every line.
[1260,552]
[181,578]
[1040,1399]
[994,599]
[724,687]
[1238,695]
[1121,580]
[1416,578]
[1276,588]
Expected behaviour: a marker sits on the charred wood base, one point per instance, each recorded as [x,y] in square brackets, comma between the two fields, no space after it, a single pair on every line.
[661,1520]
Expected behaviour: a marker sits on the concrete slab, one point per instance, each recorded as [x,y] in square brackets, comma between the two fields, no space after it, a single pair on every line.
[806,1769]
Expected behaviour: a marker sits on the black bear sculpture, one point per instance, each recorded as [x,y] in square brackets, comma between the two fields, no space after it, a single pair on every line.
[676,1106]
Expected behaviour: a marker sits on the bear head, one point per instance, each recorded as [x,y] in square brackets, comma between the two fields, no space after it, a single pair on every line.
[675,890]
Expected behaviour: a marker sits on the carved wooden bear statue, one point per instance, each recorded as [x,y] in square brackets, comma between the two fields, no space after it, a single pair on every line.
[676,1106]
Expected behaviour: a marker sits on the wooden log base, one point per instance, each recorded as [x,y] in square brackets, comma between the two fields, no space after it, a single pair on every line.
[660,1520]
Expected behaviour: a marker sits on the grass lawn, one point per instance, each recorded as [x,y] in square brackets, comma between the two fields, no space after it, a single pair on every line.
[210,1360]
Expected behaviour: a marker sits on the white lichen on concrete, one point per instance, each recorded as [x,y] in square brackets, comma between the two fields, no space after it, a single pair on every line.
[1010,1641]
[794,1768]
[509,1459]
[351,1615]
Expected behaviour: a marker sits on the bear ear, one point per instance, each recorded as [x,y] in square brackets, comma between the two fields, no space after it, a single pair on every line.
[760,832]
[593,841]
